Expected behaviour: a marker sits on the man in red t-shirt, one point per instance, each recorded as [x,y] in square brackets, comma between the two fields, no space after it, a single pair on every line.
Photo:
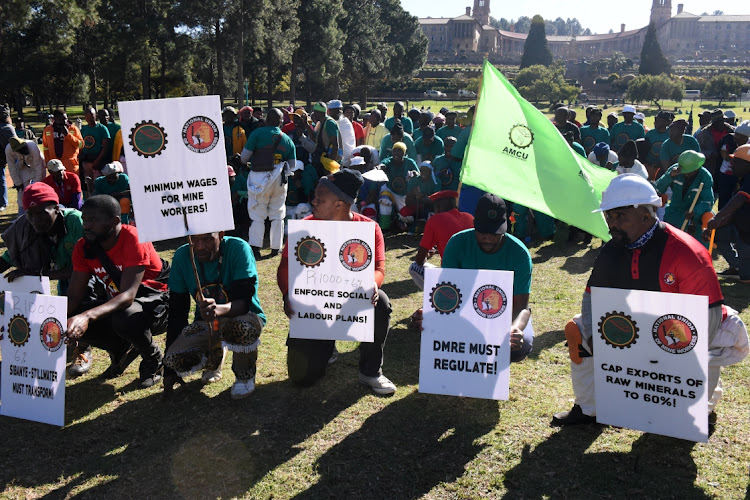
[67,186]
[307,359]
[439,228]
[350,112]
[136,300]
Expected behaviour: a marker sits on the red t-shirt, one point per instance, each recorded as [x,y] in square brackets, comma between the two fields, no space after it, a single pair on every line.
[282,274]
[287,129]
[127,252]
[71,185]
[440,227]
[359,131]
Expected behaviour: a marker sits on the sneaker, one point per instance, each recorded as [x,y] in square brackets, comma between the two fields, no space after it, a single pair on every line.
[211,376]
[81,362]
[573,417]
[380,384]
[242,388]
[334,356]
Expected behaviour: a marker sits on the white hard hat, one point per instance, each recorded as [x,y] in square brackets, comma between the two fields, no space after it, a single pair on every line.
[628,190]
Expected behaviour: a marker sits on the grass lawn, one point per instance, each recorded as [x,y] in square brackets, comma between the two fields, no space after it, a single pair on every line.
[338,440]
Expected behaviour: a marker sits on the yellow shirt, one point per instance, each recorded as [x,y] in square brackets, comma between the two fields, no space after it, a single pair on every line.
[374,135]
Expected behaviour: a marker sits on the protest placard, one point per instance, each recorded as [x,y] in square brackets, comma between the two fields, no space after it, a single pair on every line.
[32,385]
[651,369]
[24,284]
[465,348]
[177,166]
[332,280]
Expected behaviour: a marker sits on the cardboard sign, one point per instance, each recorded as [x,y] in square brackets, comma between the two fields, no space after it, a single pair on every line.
[177,166]
[651,370]
[465,348]
[331,280]
[24,284]
[32,385]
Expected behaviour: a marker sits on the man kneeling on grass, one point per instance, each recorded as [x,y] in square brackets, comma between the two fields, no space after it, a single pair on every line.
[229,316]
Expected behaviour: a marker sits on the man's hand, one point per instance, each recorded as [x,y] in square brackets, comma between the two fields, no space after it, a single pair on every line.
[689,215]
[675,172]
[77,326]
[208,309]
[374,298]
[16,273]
[516,339]
[288,307]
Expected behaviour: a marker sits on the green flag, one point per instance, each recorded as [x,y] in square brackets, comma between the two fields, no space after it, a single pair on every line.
[518,154]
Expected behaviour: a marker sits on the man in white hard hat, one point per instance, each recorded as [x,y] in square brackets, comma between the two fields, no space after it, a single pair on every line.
[647,254]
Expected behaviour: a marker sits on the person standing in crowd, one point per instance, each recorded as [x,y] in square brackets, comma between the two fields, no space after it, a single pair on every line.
[96,149]
[6,132]
[451,128]
[612,119]
[727,181]
[25,165]
[626,130]
[115,144]
[655,138]
[398,116]
[22,131]
[428,146]
[67,186]
[594,133]
[62,141]
[247,120]
[234,133]
[709,138]
[375,130]
[359,132]
[678,143]
[328,138]
[563,124]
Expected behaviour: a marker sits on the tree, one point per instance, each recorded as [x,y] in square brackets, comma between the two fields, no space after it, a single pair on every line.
[653,61]
[722,86]
[538,82]
[523,25]
[535,49]
[718,13]
[501,24]
[654,88]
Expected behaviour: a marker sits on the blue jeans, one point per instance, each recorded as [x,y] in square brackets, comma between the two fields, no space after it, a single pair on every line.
[4,200]
[734,250]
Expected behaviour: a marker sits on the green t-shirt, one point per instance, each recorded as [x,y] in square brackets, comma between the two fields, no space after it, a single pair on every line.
[426,187]
[655,141]
[265,136]
[386,146]
[462,141]
[670,151]
[448,172]
[93,138]
[463,252]
[444,132]
[405,121]
[236,263]
[622,133]
[591,136]
[101,186]
[398,176]
[430,152]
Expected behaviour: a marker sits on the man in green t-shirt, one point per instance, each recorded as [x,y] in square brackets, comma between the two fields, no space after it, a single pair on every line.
[397,135]
[116,184]
[489,246]
[399,168]
[448,168]
[451,128]
[594,133]
[428,146]
[626,130]
[398,115]
[328,138]
[96,149]
[655,139]
[229,316]
[678,143]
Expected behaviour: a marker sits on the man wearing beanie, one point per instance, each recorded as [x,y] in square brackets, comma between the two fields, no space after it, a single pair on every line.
[397,135]
[307,359]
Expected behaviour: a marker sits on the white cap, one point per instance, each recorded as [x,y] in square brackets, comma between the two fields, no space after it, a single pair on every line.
[743,128]
[628,109]
[57,166]
[640,116]
[114,167]
[335,104]
[628,190]
[356,160]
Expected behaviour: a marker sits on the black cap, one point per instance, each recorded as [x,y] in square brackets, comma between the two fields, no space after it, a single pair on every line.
[665,114]
[397,127]
[490,215]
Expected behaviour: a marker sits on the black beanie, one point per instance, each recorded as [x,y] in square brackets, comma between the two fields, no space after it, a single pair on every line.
[349,181]
[629,150]
[397,127]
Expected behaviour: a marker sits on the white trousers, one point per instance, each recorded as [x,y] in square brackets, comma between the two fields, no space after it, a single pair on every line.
[268,203]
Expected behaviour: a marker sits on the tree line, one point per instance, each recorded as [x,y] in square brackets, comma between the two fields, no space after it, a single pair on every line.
[56,52]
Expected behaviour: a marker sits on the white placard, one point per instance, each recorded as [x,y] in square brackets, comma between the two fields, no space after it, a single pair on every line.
[465,348]
[331,280]
[32,385]
[177,165]
[651,369]
[24,284]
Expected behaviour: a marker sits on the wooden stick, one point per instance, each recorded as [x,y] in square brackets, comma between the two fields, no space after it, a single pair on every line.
[711,243]
[214,325]
[692,206]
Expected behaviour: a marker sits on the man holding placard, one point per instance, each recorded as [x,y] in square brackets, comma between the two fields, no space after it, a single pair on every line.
[230,314]
[137,297]
[489,246]
[307,358]
[646,254]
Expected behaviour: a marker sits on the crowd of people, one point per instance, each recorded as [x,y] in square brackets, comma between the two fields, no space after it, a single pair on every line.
[394,167]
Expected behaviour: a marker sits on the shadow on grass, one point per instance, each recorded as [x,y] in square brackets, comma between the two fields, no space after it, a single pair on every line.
[736,293]
[546,340]
[192,446]
[399,289]
[406,449]
[561,467]
[581,264]
[557,249]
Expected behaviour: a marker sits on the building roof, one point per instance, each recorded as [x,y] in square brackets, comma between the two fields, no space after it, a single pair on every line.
[724,19]
[434,20]
[685,15]
[587,38]
[464,18]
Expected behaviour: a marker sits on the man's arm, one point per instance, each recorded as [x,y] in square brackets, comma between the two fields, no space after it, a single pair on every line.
[246,155]
[103,154]
[724,216]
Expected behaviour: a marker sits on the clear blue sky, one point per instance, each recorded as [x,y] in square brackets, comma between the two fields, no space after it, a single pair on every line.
[597,15]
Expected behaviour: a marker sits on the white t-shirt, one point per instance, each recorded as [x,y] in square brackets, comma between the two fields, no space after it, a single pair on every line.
[611,158]
[637,168]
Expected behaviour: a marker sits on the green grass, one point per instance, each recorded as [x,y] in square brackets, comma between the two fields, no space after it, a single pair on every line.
[337,440]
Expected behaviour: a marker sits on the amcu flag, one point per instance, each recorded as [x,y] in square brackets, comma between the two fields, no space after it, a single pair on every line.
[516,153]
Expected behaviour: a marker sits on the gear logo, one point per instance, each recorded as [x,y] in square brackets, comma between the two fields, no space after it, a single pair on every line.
[148,139]
[521,136]
[398,183]
[355,255]
[18,330]
[310,251]
[618,329]
[490,301]
[200,134]
[445,298]
[51,334]
[674,334]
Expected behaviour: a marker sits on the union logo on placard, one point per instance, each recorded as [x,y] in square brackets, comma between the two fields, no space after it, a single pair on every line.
[148,139]
[355,255]
[490,301]
[200,134]
[310,251]
[618,329]
[51,334]
[18,330]
[445,298]
[675,333]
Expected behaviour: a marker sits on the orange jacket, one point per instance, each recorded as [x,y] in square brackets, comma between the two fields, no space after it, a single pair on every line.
[73,142]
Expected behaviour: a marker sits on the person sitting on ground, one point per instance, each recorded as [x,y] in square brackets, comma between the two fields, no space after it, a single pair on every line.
[447,167]
[116,184]
[428,146]
[66,185]
[603,156]
[397,135]
[489,246]
[628,161]
[307,359]
[418,191]
[136,304]
[451,128]
[229,317]
[684,178]
[399,168]
[25,165]
[641,250]
[40,242]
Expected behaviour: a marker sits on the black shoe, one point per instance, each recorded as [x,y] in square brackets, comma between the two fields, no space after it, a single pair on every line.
[573,417]
[273,254]
[151,370]
[120,362]
[256,252]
